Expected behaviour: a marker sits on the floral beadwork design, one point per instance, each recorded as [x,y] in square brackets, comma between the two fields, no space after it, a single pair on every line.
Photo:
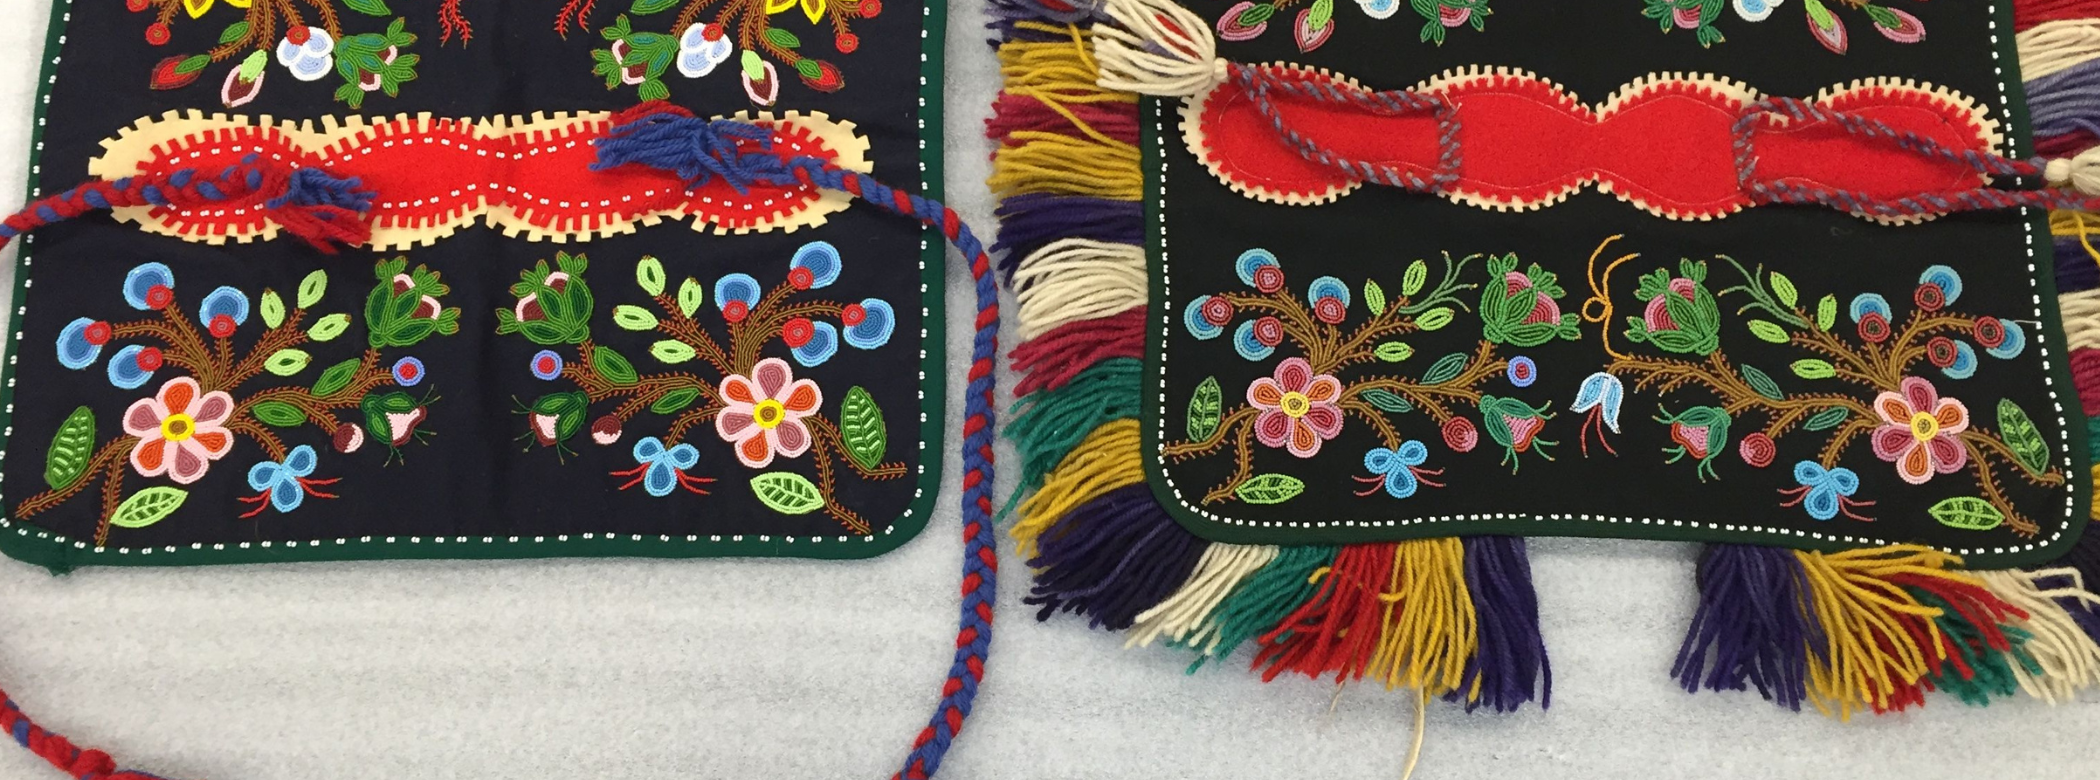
[203,404]
[696,46]
[1828,28]
[1337,372]
[1871,378]
[762,415]
[275,30]
[1314,23]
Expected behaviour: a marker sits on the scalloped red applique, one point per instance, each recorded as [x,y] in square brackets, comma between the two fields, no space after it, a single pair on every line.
[1664,144]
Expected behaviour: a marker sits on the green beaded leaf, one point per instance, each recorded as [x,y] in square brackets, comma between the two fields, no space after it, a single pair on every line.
[1435,319]
[1393,352]
[1768,331]
[1417,274]
[1204,410]
[286,362]
[1445,369]
[1760,382]
[633,317]
[782,38]
[1812,368]
[234,32]
[311,288]
[672,352]
[1826,312]
[337,377]
[613,366]
[649,273]
[1374,297]
[1827,419]
[689,296]
[787,492]
[862,429]
[278,414]
[1269,489]
[272,309]
[2022,437]
[329,327]
[1783,289]
[647,7]
[148,506]
[71,448]
[368,7]
[1387,400]
[1967,513]
[675,400]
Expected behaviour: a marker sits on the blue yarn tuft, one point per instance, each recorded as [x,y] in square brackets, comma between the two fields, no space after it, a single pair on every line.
[698,150]
[316,187]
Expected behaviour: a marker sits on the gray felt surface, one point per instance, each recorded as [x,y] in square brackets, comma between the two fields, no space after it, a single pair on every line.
[797,669]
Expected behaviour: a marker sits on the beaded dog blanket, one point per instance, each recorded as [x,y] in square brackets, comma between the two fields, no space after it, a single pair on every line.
[588,282]
[1360,303]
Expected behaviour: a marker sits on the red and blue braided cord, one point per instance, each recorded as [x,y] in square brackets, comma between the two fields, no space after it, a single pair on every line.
[320,205]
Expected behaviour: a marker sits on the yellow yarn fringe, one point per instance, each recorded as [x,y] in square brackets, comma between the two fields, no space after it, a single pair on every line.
[1058,73]
[1430,626]
[1868,653]
[1063,165]
[1107,459]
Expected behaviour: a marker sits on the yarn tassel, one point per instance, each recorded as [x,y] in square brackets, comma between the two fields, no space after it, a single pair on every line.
[1054,359]
[1261,600]
[1875,630]
[1156,47]
[1049,427]
[1510,665]
[1111,559]
[1751,629]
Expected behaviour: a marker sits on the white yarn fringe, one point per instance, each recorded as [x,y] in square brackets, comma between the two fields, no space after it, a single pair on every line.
[2051,47]
[1077,279]
[2081,315]
[1156,47]
[2069,659]
[1217,573]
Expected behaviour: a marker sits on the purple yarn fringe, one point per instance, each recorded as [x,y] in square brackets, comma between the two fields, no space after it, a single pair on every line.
[2075,269]
[1511,664]
[1007,13]
[1750,626]
[2066,101]
[1029,222]
[1111,559]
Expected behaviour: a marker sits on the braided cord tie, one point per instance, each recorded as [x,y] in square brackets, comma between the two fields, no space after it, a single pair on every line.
[980,564]
[307,202]
[1762,112]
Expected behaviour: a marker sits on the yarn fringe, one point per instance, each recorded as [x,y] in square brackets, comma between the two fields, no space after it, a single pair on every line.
[1449,617]
[1874,630]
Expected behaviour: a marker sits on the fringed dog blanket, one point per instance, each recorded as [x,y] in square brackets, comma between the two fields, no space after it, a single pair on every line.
[502,348]
[1318,324]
